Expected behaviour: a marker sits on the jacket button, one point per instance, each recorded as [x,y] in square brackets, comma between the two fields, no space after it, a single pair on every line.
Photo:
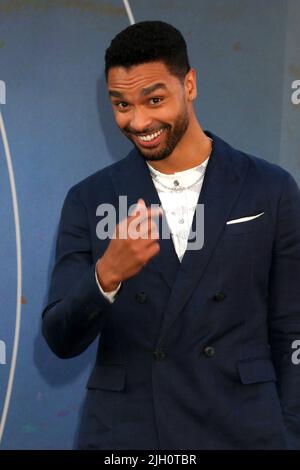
[209,351]
[159,354]
[141,297]
[219,296]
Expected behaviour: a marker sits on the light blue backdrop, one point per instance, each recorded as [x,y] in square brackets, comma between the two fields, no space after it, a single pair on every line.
[60,129]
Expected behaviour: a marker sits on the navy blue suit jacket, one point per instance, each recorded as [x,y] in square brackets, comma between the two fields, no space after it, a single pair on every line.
[191,355]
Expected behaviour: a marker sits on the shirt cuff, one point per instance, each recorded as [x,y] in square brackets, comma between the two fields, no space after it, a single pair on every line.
[108,295]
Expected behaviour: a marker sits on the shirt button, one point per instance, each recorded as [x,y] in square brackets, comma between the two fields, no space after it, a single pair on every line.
[159,354]
[141,297]
[181,221]
[176,183]
[219,296]
[209,351]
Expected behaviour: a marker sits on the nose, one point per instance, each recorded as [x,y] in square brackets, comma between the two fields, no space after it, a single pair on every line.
[140,121]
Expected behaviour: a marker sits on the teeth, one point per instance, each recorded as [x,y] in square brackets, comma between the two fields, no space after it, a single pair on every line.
[147,138]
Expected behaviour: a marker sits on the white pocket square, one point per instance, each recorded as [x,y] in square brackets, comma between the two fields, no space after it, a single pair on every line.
[244,219]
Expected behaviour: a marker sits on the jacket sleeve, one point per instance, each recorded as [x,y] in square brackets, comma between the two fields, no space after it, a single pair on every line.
[76,310]
[284,307]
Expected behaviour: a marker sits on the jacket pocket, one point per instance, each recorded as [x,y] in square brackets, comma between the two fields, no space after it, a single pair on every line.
[256,370]
[248,226]
[107,377]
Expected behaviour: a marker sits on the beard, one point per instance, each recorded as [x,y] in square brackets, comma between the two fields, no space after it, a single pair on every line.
[173,134]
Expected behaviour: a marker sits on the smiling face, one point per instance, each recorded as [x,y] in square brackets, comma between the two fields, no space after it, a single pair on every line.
[151,106]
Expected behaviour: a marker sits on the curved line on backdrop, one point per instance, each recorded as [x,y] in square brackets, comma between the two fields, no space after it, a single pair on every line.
[19,276]
[19,256]
[129,11]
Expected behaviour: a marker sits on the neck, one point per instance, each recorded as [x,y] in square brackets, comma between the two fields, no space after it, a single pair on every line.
[192,150]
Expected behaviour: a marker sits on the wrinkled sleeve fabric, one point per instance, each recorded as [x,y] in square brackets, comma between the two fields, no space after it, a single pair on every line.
[76,309]
[284,306]
[111,296]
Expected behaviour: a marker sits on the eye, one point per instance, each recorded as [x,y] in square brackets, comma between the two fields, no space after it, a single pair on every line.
[121,105]
[156,100]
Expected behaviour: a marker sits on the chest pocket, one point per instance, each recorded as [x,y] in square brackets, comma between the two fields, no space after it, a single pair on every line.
[254,225]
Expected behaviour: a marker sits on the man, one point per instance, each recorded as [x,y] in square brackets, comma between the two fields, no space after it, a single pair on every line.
[195,345]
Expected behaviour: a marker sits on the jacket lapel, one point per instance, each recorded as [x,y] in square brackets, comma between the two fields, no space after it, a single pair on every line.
[222,184]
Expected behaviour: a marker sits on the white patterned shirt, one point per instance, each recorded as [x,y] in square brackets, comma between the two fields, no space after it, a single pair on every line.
[179,206]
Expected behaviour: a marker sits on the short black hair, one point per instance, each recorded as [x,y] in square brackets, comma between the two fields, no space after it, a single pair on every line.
[149,41]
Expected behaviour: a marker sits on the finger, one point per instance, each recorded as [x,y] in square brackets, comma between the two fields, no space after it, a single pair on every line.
[145,229]
[144,212]
[153,250]
[139,207]
[153,230]
[148,229]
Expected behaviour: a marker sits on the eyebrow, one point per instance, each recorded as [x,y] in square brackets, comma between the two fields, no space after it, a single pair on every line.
[144,92]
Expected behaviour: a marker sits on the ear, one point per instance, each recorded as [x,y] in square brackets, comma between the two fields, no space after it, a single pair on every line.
[190,85]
